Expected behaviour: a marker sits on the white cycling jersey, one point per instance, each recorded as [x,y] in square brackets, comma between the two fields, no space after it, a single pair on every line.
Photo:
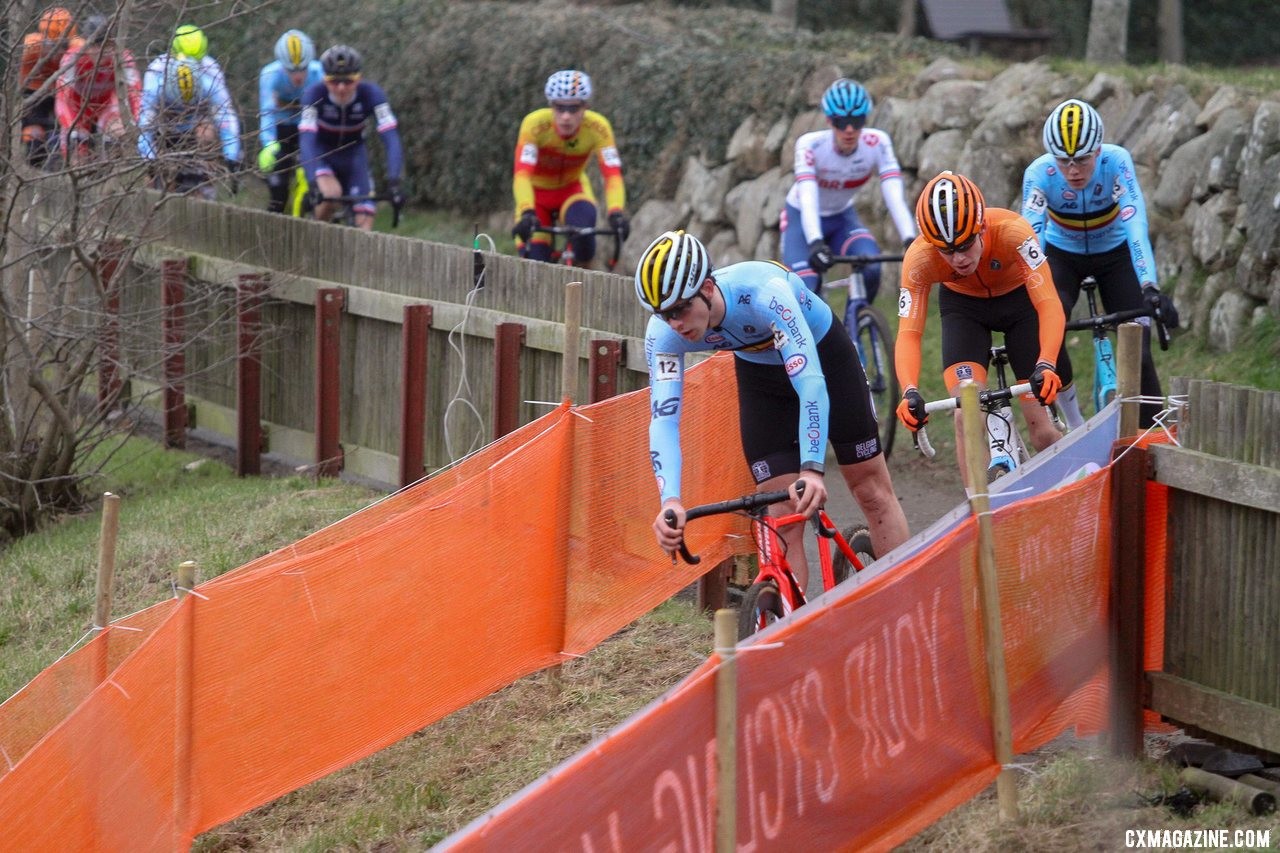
[825,179]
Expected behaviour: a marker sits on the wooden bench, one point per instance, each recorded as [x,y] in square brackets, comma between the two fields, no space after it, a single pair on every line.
[981,24]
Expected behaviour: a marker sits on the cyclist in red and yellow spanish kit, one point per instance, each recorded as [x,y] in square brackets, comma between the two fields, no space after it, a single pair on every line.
[994,279]
[552,151]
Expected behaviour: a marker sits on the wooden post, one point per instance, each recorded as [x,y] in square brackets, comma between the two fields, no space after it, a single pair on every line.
[329,303]
[249,291]
[106,578]
[1129,376]
[173,279]
[508,338]
[975,452]
[713,587]
[602,367]
[183,710]
[1126,625]
[726,635]
[572,335]
[413,391]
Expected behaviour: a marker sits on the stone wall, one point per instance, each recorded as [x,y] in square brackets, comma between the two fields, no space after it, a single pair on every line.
[1210,172]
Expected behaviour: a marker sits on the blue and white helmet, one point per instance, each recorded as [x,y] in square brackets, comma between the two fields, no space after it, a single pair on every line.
[295,50]
[846,98]
[568,85]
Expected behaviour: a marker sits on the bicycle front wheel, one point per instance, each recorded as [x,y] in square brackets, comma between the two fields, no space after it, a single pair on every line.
[874,341]
[859,539]
[761,607]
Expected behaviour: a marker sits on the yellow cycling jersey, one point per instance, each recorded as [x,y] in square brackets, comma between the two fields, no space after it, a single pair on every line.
[547,161]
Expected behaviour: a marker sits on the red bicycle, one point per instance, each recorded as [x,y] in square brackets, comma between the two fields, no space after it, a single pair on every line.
[562,237]
[775,593]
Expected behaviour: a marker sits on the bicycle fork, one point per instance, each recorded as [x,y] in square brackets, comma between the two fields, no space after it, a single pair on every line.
[770,549]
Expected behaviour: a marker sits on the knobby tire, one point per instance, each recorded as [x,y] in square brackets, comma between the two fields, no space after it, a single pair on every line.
[875,344]
[859,539]
[761,606]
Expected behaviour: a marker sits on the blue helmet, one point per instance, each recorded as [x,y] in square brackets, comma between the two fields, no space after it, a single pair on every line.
[295,50]
[846,98]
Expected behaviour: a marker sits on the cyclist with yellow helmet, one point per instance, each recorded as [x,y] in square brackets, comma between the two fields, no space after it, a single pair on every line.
[552,150]
[1083,199]
[183,122]
[991,277]
[281,84]
[799,382]
[190,42]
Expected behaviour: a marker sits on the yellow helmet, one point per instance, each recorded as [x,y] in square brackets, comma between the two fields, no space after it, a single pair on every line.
[189,40]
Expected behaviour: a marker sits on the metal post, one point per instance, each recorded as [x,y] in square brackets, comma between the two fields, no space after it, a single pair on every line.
[606,356]
[508,338]
[329,303]
[572,336]
[173,278]
[249,290]
[413,391]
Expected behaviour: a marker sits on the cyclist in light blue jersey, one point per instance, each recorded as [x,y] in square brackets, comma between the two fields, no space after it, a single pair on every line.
[799,383]
[1083,200]
[185,114]
[280,87]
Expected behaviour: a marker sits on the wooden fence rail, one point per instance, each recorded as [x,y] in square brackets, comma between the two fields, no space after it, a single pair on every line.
[1222,612]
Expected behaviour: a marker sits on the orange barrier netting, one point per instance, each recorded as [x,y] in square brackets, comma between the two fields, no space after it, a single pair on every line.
[321,653]
[863,721]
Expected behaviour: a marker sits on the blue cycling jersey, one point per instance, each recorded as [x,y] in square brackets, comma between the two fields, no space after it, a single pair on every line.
[211,102]
[279,101]
[1107,212]
[326,126]
[770,318]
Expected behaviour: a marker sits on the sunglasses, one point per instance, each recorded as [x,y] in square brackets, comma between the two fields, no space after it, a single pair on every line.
[962,248]
[342,81]
[1078,160]
[567,108]
[675,312]
[846,122]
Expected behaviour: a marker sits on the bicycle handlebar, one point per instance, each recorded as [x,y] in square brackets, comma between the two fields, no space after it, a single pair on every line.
[754,501]
[356,199]
[985,399]
[860,261]
[1099,323]
[585,231]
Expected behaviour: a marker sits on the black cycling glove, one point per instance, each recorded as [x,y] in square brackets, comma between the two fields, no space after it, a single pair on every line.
[1162,302]
[524,228]
[618,222]
[820,257]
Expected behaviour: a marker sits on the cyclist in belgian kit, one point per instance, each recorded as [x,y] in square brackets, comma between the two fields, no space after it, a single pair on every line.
[280,87]
[799,383]
[331,135]
[1083,200]
[552,150]
[830,165]
[993,278]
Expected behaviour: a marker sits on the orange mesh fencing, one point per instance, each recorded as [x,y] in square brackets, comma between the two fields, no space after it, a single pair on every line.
[321,653]
[859,722]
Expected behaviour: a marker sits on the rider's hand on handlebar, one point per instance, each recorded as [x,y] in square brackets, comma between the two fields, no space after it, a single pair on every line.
[233,175]
[618,222]
[911,410]
[524,228]
[820,259]
[267,158]
[1163,303]
[1045,383]
[814,494]
[669,538]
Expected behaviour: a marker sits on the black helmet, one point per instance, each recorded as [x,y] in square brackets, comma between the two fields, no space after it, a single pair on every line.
[341,60]
[94,29]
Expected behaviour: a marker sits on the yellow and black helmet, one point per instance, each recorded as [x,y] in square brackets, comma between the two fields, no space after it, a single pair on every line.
[949,211]
[671,270]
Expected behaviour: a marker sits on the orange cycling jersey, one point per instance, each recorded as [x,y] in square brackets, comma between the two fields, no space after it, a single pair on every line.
[41,57]
[1011,258]
[547,161]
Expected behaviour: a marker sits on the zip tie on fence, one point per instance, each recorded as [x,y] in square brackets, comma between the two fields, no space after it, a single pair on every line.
[123,692]
[720,650]
[177,589]
[74,645]
[570,655]
[1029,769]
[573,410]
[541,403]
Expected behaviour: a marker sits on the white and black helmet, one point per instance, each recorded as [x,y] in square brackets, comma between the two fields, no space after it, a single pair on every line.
[1073,129]
[671,270]
[568,85]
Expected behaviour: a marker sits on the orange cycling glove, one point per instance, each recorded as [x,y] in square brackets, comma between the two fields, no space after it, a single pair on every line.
[911,410]
[1045,383]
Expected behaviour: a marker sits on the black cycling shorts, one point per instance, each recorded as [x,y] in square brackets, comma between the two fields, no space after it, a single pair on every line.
[969,321]
[769,410]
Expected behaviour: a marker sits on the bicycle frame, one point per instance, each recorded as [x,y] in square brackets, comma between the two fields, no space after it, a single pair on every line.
[1100,325]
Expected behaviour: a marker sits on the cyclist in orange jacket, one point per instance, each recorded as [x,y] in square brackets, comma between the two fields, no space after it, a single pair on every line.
[552,151]
[993,278]
[42,52]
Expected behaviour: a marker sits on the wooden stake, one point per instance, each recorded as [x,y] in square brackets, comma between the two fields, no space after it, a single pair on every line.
[106,578]
[726,636]
[1129,376]
[975,452]
[572,334]
[182,712]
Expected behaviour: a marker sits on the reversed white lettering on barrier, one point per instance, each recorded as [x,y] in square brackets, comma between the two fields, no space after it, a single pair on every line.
[615,835]
[692,804]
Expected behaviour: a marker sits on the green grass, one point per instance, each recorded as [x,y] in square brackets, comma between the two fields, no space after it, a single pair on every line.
[174,507]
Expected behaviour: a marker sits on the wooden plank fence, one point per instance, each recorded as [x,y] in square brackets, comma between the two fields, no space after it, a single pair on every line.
[1221,673]
[478,386]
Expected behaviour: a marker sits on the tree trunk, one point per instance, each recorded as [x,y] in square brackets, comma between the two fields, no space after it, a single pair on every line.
[1172,46]
[1108,31]
[785,11]
[907,18]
